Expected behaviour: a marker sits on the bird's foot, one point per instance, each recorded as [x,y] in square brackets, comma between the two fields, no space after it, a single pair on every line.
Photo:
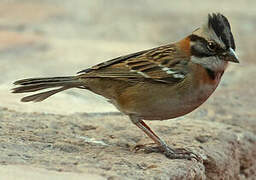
[179,153]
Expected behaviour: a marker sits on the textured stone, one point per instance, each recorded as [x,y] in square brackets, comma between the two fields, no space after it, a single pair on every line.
[53,38]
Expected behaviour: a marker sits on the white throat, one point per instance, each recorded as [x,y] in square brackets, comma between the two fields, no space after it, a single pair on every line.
[213,63]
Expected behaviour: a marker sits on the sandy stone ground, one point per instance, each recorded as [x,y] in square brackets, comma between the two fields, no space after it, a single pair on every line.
[78,135]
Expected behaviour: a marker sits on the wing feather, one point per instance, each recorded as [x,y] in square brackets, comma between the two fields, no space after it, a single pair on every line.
[162,64]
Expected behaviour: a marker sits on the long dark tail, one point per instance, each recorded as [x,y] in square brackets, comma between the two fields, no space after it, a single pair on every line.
[36,84]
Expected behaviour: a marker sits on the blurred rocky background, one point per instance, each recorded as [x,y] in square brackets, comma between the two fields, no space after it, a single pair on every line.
[78,134]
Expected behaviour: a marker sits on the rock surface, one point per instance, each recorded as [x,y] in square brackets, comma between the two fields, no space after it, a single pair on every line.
[78,134]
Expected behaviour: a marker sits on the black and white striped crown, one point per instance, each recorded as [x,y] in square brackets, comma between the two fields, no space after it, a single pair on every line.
[220,25]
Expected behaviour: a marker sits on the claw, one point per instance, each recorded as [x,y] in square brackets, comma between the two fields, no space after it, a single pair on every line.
[179,153]
[145,148]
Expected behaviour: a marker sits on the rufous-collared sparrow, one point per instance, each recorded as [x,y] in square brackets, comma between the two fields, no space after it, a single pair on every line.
[156,84]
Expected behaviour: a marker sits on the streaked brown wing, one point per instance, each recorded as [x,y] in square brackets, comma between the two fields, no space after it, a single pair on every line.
[162,64]
[113,61]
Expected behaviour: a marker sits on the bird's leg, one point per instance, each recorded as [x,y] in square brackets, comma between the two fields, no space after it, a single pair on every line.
[169,152]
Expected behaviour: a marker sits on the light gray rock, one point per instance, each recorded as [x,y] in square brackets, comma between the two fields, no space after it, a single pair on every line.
[79,132]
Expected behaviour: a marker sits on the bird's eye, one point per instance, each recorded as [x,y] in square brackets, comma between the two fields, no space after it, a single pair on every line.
[212,46]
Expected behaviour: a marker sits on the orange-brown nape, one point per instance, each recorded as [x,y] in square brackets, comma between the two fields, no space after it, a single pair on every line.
[184,45]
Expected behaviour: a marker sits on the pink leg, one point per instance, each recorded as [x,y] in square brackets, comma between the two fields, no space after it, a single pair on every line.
[169,152]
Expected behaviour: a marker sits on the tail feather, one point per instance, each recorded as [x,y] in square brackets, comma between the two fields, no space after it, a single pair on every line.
[31,87]
[44,80]
[42,96]
[36,84]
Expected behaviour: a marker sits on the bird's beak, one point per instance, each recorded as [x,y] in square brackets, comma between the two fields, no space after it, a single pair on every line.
[231,56]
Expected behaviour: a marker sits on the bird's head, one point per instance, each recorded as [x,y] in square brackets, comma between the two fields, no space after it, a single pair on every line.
[213,43]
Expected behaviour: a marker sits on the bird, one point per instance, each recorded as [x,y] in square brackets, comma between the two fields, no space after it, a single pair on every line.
[161,83]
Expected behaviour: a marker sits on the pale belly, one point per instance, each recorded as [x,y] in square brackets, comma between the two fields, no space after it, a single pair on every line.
[173,107]
[155,105]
